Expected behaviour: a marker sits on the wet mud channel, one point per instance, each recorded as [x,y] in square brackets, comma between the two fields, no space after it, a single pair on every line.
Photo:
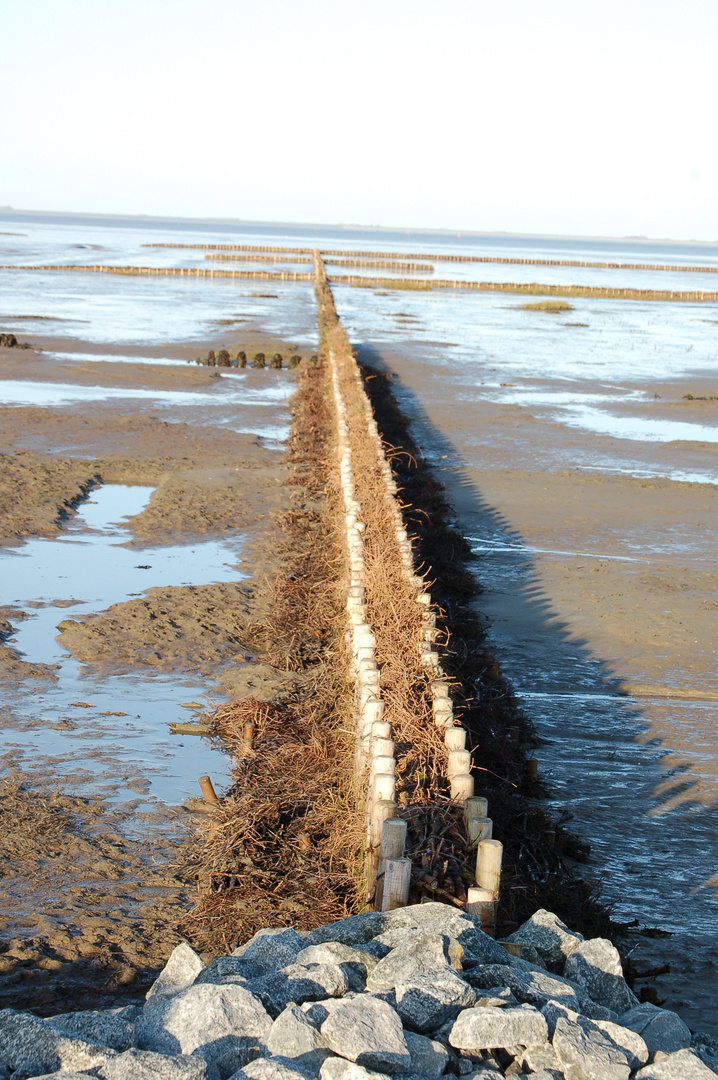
[139,501]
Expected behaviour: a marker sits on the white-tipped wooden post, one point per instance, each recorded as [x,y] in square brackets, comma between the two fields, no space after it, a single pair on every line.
[459,762]
[382,747]
[479,828]
[476,806]
[393,838]
[455,738]
[383,787]
[462,787]
[481,904]
[488,866]
[397,879]
[381,810]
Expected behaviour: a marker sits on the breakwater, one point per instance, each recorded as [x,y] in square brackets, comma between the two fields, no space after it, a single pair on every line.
[408,744]
[450,257]
[529,289]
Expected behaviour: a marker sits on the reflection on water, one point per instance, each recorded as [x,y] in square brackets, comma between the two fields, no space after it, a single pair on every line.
[120,732]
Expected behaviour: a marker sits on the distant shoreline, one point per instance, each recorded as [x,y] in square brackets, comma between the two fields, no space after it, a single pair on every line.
[11,214]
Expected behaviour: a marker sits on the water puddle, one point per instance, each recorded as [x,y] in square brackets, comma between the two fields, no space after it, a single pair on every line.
[117,358]
[42,394]
[108,733]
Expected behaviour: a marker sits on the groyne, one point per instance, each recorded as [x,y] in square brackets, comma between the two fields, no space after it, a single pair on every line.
[447,257]
[527,289]
[358,791]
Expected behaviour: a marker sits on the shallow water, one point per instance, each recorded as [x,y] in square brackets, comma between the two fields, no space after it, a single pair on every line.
[122,737]
[509,404]
[622,375]
[496,391]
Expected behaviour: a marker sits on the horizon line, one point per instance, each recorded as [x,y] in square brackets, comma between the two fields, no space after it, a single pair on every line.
[459,233]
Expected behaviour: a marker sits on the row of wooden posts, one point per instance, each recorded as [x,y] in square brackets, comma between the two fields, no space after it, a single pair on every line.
[531,289]
[173,271]
[445,257]
[387,263]
[388,871]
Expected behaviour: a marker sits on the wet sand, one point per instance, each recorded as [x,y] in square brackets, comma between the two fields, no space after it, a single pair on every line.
[600,594]
[93,886]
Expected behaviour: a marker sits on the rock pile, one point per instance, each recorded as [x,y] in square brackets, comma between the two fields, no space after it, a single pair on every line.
[414,993]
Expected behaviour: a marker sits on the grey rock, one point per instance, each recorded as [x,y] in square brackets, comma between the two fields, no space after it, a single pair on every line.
[428,1057]
[269,950]
[369,1032]
[536,1058]
[630,1042]
[180,971]
[681,1065]
[588,1050]
[660,1029]
[221,1024]
[596,967]
[551,938]
[436,918]
[707,1049]
[336,1068]
[294,1036]
[228,969]
[299,983]
[334,952]
[96,1027]
[545,1074]
[354,930]
[61,1074]
[29,1047]
[274,1068]
[318,1011]
[485,1029]
[421,953]
[484,1072]
[498,997]
[426,1002]
[145,1065]
[535,987]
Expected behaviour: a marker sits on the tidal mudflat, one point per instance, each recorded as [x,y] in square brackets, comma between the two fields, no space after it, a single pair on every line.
[578,447]
[138,507]
[582,463]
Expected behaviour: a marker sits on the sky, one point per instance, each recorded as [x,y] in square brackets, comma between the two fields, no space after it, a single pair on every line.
[573,117]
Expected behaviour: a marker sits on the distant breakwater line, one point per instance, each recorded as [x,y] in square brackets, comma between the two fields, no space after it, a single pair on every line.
[426,267]
[173,271]
[528,289]
[443,257]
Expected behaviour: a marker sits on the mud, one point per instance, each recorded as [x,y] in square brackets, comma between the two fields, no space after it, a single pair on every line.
[86,912]
[92,890]
[599,599]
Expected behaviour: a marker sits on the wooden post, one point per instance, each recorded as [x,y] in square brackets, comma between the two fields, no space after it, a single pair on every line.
[459,762]
[476,806]
[481,904]
[210,795]
[488,866]
[380,811]
[397,879]
[393,838]
[462,787]
[455,738]
[479,828]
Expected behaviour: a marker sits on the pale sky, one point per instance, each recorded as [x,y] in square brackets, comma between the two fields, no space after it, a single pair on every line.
[588,117]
